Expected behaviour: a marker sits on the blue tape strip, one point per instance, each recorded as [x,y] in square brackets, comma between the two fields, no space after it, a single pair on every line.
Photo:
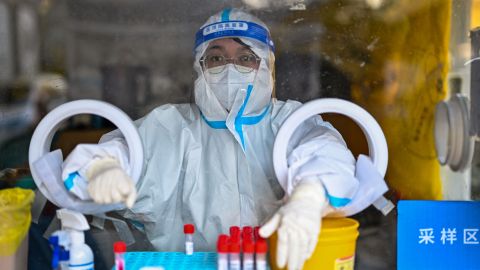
[238,125]
[241,120]
[68,183]
[234,29]
[338,202]
[214,124]
[252,120]
[226,15]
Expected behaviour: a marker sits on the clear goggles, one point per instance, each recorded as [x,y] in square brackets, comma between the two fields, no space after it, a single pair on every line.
[216,62]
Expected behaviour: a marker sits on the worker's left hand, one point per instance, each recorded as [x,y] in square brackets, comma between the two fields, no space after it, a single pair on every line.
[298,224]
[109,183]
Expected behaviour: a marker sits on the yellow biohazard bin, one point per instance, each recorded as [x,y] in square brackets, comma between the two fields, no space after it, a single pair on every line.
[335,249]
[15,217]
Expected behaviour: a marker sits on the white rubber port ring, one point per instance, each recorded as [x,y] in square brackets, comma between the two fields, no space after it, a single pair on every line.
[377,144]
[41,141]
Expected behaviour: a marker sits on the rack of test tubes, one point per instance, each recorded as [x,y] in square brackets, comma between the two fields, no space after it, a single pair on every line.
[242,249]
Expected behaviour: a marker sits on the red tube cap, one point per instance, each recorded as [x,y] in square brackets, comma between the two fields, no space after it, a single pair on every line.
[247,229]
[248,247]
[247,232]
[188,229]
[261,246]
[223,238]
[234,247]
[222,243]
[119,247]
[235,231]
[256,234]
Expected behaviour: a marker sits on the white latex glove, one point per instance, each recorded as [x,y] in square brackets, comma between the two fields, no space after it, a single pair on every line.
[109,183]
[298,224]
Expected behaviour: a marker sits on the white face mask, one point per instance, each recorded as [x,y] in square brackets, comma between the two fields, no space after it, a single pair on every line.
[225,85]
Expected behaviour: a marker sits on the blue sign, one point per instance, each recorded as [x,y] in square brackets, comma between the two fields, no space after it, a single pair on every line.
[438,235]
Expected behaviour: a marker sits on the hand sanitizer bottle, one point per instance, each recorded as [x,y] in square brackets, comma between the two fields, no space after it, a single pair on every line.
[74,223]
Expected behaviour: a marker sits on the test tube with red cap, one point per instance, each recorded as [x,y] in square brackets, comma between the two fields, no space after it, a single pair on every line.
[222,250]
[234,255]
[261,249]
[188,230]
[235,233]
[247,233]
[119,249]
[256,234]
[248,255]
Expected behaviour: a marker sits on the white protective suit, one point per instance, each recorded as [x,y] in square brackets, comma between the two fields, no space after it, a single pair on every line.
[213,167]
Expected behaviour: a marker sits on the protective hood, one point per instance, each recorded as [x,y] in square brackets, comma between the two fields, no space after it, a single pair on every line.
[248,102]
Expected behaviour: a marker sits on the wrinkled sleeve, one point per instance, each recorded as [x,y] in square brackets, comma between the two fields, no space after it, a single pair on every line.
[76,164]
[317,152]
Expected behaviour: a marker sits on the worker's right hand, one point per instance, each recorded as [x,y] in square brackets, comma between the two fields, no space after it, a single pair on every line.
[109,183]
[298,224]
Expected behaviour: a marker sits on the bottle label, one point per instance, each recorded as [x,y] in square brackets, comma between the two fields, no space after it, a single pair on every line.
[189,248]
[261,265]
[248,265]
[345,263]
[222,264]
[235,265]
[85,266]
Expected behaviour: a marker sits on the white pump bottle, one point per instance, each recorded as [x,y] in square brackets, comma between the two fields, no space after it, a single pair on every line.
[74,223]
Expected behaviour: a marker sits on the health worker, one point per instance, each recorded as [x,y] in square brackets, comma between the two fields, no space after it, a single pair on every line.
[210,163]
